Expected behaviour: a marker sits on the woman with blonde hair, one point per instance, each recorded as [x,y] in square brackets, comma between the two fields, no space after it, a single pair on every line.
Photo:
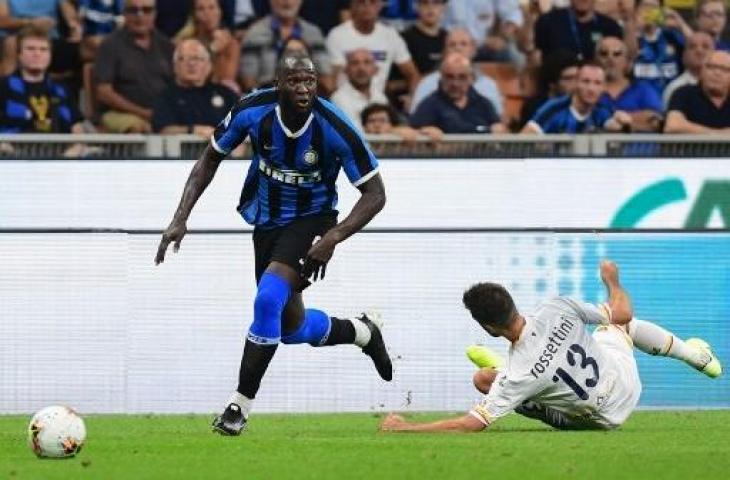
[206,25]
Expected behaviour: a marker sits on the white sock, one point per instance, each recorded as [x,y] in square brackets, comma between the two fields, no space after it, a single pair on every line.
[362,332]
[654,340]
[242,401]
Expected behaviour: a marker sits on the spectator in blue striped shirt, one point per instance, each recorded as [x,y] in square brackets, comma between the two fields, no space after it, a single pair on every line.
[582,111]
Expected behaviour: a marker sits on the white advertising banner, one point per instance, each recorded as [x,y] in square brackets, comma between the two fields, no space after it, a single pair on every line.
[439,193]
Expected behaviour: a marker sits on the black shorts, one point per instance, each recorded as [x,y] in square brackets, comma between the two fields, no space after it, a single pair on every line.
[291,243]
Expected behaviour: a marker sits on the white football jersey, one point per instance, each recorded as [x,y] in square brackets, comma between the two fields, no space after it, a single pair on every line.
[557,363]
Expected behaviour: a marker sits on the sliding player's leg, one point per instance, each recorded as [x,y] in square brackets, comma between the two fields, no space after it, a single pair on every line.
[655,340]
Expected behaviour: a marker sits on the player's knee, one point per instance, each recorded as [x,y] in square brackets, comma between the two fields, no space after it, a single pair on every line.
[268,304]
[484,378]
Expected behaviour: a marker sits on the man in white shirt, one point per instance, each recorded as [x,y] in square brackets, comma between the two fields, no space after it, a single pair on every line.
[357,91]
[559,373]
[699,45]
[385,43]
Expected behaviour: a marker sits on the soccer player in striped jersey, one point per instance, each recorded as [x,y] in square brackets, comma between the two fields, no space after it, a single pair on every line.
[300,142]
[558,372]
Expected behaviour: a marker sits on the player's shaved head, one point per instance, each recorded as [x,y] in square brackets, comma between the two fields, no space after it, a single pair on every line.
[294,60]
[491,306]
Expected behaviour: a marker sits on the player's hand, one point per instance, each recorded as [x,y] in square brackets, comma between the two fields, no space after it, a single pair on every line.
[392,423]
[174,233]
[315,263]
[609,272]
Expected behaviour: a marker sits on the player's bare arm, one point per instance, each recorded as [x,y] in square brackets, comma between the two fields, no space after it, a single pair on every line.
[371,201]
[618,299]
[464,424]
[199,179]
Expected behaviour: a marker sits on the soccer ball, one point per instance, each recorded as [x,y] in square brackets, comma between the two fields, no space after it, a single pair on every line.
[56,432]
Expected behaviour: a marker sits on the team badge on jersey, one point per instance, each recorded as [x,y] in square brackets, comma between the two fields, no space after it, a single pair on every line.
[310,157]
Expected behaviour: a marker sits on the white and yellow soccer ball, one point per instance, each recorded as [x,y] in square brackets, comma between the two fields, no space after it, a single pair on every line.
[56,432]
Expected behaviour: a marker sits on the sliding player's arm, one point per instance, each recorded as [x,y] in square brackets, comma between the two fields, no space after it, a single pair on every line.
[619,302]
[464,424]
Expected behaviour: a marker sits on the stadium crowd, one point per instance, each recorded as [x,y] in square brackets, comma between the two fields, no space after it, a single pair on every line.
[413,68]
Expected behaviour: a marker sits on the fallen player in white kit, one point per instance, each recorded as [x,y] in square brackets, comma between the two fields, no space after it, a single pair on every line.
[556,371]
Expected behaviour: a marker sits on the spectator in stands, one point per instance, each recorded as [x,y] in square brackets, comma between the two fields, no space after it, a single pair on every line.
[581,112]
[660,40]
[241,14]
[426,38]
[30,102]
[495,44]
[357,91]
[638,98]
[381,119]
[193,104]
[577,28]
[133,66]
[711,17]
[456,107]
[16,14]
[699,45]
[703,108]
[558,76]
[365,31]
[206,25]
[459,40]
[265,39]
[100,18]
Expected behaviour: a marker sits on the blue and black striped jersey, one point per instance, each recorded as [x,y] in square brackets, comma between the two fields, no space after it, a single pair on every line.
[292,174]
[558,116]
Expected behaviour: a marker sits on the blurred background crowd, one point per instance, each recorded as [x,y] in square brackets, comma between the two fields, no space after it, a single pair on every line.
[412,68]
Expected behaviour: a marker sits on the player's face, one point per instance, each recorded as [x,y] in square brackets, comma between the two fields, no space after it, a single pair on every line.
[35,54]
[298,88]
[591,84]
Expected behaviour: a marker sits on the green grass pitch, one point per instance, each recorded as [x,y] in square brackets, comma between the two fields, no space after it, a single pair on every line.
[652,445]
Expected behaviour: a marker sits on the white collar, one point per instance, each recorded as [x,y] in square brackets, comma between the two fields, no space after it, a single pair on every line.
[288,132]
[577,115]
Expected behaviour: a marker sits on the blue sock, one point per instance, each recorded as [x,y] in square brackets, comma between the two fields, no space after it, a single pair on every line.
[314,330]
[271,297]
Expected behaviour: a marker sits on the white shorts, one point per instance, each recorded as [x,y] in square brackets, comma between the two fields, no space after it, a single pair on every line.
[623,393]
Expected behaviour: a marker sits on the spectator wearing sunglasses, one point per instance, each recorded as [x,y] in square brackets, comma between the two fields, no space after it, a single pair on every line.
[133,66]
[638,98]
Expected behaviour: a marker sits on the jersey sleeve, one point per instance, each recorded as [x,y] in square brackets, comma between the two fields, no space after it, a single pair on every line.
[541,120]
[506,394]
[234,128]
[589,313]
[353,153]
[401,54]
